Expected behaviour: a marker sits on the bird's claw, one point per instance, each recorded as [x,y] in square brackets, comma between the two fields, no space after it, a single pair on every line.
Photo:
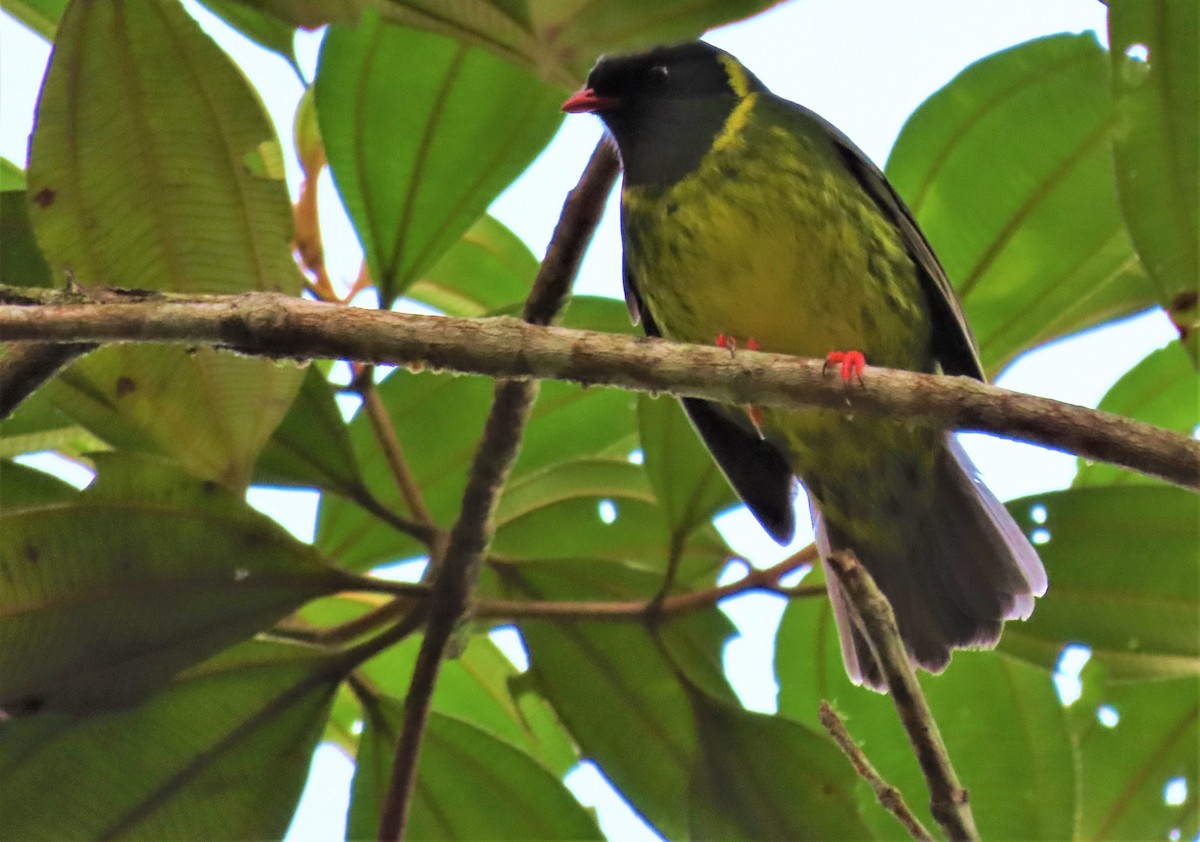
[852,364]
[754,413]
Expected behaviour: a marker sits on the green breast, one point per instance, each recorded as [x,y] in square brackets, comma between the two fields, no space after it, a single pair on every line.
[772,238]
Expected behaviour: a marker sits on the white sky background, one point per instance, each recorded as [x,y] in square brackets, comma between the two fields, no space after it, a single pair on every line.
[863,64]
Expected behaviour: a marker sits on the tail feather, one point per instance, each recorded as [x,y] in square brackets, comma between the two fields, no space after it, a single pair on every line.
[967,570]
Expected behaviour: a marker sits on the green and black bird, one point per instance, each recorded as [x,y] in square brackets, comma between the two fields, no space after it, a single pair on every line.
[748,217]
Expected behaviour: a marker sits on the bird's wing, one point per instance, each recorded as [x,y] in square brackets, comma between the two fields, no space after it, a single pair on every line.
[953,343]
[758,471]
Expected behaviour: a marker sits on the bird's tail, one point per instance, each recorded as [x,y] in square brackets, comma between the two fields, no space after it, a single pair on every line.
[969,569]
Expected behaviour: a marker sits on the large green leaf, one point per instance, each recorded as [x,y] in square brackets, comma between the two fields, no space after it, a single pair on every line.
[36,425]
[422,132]
[479,685]
[438,420]
[1008,171]
[686,480]
[578,31]
[211,411]
[470,784]
[153,165]
[21,261]
[617,687]
[311,445]
[1163,389]
[42,16]
[487,269]
[221,753]
[1139,620]
[109,593]
[1156,85]
[1127,763]
[766,777]
[1003,725]
[266,30]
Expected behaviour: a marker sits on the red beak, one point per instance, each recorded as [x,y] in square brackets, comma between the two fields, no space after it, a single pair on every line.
[588,101]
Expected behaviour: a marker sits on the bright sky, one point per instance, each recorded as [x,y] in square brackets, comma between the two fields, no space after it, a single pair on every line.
[863,64]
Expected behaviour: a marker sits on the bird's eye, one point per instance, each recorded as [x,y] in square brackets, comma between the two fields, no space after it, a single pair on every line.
[659,74]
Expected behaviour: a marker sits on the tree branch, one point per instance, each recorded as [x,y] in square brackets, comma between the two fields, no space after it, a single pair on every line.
[890,798]
[279,326]
[949,801]
[454,583]
[765,579]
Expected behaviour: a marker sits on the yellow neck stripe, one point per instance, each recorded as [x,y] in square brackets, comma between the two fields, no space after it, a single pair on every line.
[737,76]
[735,122]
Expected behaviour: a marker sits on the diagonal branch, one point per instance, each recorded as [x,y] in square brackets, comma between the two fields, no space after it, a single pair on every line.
[949,801]
[279,326]
[454,583]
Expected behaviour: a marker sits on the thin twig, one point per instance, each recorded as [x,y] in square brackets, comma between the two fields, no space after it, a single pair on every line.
[280,326]
[389,443]
[765,579]
[890,798]
[454,583]
[949,801]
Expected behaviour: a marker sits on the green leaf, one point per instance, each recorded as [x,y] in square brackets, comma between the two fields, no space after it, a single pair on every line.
[501,26]
[311,445]
[221,753]
[1125,768]
[42,16]
[211,411]
[266,30]
[36,425]
[489,268]
[686,480]
[1157,147]
[438,420]
[765,777]
[146,169]
[109,593]
[1163,389]
[1007,169]
[470,785]
[618,687]
[579,32]
[478,685]
[142,164]
[1139,621]
[414,179]
[21,261]
[1003,725]
[22,486]
[12,177]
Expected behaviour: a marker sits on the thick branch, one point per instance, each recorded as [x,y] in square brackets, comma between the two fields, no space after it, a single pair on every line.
[279,326]
[454,583]
[948,800]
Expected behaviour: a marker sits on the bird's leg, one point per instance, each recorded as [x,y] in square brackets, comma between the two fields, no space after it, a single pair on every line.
[852,363]
[754,413]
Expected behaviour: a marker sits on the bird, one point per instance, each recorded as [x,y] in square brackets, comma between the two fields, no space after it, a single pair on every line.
[747,218]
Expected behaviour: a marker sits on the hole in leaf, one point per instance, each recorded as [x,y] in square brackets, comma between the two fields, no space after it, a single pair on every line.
[356,727]
[1108,716]
[1066,673]
[1137,52]
[637,456]
[607,510]
[1037,514]
[1175,792]
[1040,537]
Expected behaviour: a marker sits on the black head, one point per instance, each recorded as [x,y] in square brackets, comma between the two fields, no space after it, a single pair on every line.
[664,107]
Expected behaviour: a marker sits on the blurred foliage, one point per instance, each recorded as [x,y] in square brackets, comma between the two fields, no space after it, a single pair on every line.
[166,664]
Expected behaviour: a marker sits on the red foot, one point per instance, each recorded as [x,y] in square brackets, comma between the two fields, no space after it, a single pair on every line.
[726,341]
[754,413]
[852,363]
